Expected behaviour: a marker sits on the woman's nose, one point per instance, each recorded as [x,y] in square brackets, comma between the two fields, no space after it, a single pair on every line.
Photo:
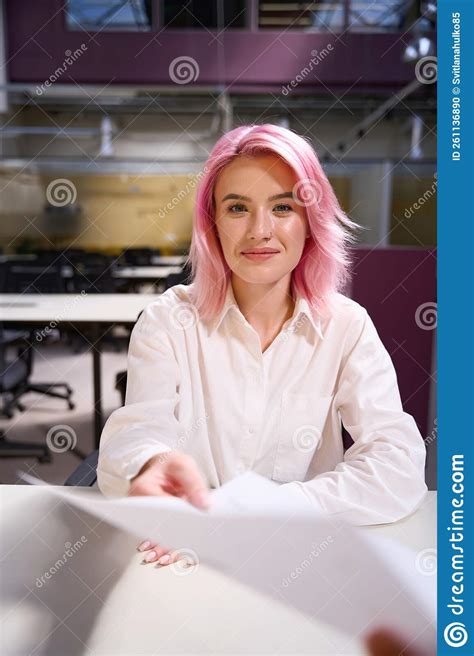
[261,225]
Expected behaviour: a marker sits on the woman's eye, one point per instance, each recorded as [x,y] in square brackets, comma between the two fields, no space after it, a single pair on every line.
[283,208]
[236,208]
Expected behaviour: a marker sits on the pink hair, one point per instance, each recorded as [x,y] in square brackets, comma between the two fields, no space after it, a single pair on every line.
[324,264]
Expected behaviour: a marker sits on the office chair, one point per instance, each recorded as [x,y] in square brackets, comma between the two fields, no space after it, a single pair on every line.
[31,277]
[137,256]
[181,278]
[85,475]
[22,276]
[13,375]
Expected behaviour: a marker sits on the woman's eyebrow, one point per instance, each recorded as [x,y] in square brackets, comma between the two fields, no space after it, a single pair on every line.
[286,194]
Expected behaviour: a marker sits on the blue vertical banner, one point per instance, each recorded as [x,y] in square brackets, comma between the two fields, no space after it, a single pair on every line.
[455,327]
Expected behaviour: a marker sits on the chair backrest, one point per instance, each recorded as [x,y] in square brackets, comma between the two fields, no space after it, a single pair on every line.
[25,277]
[94,276]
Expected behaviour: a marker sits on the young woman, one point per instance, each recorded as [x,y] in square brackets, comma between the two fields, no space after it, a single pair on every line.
[255,363]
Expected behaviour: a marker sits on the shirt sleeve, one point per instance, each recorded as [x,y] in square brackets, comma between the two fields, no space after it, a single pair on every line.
[146,425]
[381,478]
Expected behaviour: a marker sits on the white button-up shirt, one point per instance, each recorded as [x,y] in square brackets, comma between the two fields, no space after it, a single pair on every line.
[208,390]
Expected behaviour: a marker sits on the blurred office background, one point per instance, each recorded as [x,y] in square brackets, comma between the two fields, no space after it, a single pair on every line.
[109,109]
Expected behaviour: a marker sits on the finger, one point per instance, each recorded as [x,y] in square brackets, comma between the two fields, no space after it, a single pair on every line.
[383,642]
[154,554]
[146,544]
[169,558]
[185,475]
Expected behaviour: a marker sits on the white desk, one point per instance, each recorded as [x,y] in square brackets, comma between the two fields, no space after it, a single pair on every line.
[102,601]
[145,272]
[76,309]
[168,259]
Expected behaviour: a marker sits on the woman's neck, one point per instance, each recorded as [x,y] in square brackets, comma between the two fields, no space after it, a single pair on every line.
[265,306]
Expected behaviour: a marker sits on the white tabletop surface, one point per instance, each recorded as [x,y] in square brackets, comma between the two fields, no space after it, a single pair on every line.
[73,307]
[168,259]
[151,272]
[100,600]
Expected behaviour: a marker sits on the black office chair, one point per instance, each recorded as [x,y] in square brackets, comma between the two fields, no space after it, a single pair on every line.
[13,375]
[23,276]
[27,277]
[85,475]
[137,256]
[184,277]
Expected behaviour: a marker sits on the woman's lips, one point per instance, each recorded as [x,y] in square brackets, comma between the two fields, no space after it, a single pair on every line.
[258,257]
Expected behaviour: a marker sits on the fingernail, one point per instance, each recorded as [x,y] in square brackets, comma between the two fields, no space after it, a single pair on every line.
[150,557]
[144,545]
[164,559]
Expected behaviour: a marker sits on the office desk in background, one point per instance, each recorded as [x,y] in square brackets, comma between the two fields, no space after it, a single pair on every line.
[92,310]
[101,600]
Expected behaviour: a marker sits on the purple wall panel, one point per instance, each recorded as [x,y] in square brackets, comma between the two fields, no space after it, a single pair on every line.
[392,284]
[37,41]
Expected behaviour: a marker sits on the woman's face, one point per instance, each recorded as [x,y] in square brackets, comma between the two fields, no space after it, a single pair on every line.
[254,210]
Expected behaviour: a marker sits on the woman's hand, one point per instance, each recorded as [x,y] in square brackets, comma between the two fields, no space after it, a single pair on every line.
[384,642]
[157,554]
[169,474]
[172,474]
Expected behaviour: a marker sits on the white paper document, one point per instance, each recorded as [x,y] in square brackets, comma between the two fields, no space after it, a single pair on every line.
[323,567]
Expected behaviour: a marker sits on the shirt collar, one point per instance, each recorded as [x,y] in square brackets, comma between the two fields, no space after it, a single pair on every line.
[301,312]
